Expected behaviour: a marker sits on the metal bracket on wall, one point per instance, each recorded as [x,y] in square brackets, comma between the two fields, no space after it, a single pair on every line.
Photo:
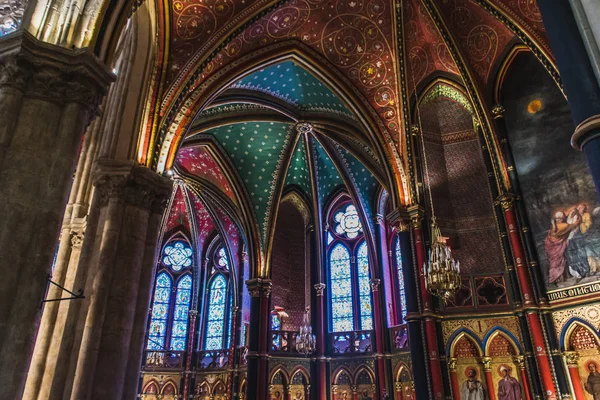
[74,296]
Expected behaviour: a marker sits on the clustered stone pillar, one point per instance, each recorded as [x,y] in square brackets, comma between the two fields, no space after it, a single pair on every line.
[572,359]
[258,351]
[48,96]
[110,328]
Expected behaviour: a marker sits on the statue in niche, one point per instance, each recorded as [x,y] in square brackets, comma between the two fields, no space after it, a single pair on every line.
[472,388]
[592,385]
[508,387]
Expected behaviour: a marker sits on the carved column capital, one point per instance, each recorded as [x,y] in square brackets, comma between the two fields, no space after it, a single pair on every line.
[572,358]
[77,238]
[506,201]
[498,111]
[133,184]
[320,288]
[354,388]
[452,364]
[487,363]
[375,284]
[259,287]
[53,73]
[414,129]
[519,362]
[304,127]
[334,388]
[416,214]
[398,386]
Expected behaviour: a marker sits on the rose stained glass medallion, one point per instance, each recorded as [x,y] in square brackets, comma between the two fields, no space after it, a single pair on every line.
[177,256]
[348,222]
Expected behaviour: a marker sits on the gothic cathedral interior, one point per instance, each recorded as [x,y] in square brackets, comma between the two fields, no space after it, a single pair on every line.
[300,199]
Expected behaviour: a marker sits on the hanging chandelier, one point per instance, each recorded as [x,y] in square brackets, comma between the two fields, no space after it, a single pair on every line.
[442,272]
[305,340]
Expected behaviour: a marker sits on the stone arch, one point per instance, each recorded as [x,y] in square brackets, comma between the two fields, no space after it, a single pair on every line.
[470,345]
[152,387]
[500,341]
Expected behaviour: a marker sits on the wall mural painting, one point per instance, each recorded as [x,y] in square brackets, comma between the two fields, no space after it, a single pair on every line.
[505,374]
[559,194]
[472,387]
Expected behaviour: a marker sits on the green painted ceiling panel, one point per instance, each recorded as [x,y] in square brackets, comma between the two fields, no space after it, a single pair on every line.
[255,149]
[328,178]
[366,184]
[292,83]
[298,172]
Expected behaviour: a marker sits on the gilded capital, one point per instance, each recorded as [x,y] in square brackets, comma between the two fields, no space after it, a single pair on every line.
[414,129]
[498,111]
[487,363]
[452,364]
[506,201]
[259,287]
[572,358]
[375,284]
[519,362]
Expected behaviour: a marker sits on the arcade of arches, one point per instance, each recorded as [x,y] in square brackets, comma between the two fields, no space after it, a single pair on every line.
[189,183]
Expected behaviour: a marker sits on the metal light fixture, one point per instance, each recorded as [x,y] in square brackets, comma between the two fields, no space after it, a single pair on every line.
[442,272]
[305,340]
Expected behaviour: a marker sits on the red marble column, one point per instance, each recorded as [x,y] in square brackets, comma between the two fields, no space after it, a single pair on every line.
[454,379]
[573,365]
[520,363]
[517,249]
[533,318]
[354,392]
[232,344]
[379,328]
[334,396]
[398,387]
[489,381]
[430,327]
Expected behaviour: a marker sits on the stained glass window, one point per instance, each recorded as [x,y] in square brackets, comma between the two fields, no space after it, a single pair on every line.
[160,312]
[222,260]
[180,316]
[401,289]
[348,222]
[215,321]
[364,287]
[230,320]
[341,289]
[177,256]
[275,322]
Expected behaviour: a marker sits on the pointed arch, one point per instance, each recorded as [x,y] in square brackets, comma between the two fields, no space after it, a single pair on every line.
[302,371]
[402,371]
[152,387]
[463,334]
[179,327]
[169,388]
[280,369]
[302,54]
[506,334]
[340,371]
[571,328]
[366,369]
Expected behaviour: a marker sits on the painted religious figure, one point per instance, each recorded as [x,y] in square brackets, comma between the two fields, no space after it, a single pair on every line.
[365,395]
[508,387]
[571,245]
[472,389]
[592,385]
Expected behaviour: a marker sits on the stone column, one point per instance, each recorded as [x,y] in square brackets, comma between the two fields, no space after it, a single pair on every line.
[489,381]
[48,96]
[454,379]
[131,200]
[519,361]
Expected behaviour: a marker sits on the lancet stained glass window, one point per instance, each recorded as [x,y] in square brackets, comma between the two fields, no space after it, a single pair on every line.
[341,289]
[364,287]
[179,327]
[215,321]
[177,256]
[401,289]
[160,312]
